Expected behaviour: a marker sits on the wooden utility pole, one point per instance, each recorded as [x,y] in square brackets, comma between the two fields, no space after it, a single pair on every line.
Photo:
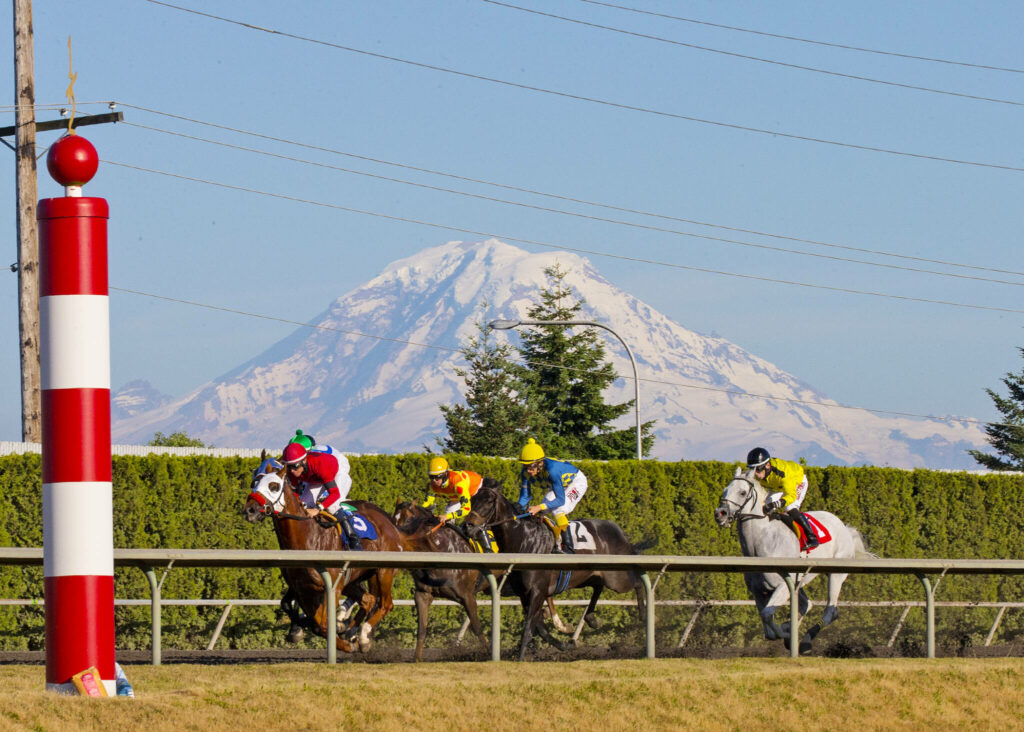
[28,234]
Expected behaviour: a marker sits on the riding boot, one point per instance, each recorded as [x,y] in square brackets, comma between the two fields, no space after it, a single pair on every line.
[354,544]
[557,548]
[562,522]
[812,539]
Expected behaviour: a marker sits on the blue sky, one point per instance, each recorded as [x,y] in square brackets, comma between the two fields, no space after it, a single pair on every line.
[637,120]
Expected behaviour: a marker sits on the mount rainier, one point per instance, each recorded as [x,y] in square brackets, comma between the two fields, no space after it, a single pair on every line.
[370,376]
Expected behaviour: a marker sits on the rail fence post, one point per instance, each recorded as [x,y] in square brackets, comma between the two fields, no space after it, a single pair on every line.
[332,615]
[649,594]
[929,596]
[794,617]
[154,615]
[495,615]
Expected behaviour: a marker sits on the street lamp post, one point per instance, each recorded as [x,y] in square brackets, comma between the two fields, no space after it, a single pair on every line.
[508,324]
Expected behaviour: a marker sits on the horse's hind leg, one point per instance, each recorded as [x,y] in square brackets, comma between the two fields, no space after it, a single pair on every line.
[468,600]
[591,619]
[556,621]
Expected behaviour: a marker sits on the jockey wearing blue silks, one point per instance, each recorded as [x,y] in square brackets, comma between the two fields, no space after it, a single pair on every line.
[564,486]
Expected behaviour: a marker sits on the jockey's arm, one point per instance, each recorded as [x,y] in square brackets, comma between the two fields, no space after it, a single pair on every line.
[430,501]
[328,495]
[524,491]
[462,491]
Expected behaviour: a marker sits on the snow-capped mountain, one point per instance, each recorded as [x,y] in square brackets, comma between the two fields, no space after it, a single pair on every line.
[370,378]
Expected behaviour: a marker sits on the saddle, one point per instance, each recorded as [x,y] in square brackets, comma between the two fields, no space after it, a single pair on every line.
[819,528]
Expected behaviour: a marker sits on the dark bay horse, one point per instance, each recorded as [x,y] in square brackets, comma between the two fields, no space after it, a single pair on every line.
[530,535]
[422,533]
[271,495]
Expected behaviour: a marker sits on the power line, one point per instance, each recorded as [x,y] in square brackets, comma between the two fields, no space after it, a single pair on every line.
[548,245]
[758,59]
[662,382]
[593,100]
[564,197]
[645,227]
[806,40]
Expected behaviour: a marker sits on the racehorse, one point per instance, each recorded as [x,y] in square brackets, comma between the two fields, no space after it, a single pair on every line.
[422,533]
[272,495]
[743,502]
[529,534]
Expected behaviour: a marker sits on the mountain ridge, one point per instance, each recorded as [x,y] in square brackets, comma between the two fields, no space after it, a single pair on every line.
[370,376]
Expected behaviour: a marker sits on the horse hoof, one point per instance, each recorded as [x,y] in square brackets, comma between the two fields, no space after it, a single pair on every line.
[592,620]
[805,646]
[295,635]
[560,625]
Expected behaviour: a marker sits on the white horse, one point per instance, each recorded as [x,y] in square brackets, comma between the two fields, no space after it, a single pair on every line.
[743,501]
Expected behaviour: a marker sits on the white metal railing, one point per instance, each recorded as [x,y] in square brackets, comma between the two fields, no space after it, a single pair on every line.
[149,560]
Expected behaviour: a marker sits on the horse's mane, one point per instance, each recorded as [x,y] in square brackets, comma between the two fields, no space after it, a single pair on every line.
[423,516]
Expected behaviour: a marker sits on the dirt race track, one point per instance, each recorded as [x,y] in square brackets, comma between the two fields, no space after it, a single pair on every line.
[544,654]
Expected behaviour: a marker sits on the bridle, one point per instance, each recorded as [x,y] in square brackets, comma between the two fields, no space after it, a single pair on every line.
[740,514]
[267,507]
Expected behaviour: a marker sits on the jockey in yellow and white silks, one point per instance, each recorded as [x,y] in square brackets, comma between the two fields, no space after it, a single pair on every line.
[565,484]
[789,482]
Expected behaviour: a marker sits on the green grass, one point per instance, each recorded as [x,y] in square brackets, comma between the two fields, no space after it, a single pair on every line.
[662,694]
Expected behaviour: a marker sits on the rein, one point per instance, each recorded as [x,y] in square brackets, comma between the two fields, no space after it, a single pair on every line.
[740,514]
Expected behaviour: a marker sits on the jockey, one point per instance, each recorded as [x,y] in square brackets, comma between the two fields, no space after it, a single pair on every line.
[565,485]
[323,481]
[791,482]
[458,486]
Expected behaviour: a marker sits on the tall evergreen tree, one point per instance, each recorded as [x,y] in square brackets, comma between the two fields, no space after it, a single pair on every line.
[497,413]
[566,374]
[1006,437]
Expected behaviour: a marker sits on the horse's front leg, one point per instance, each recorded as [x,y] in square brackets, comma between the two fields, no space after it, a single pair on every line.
[380,583]
[423,600]
[779,595]
[533,604]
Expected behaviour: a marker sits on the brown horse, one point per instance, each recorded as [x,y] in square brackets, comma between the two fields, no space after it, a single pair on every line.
[522,533]
[423,533]
[271,495]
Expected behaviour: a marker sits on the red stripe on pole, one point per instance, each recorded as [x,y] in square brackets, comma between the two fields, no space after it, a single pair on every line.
[76,435]
[73,246]
[79,626]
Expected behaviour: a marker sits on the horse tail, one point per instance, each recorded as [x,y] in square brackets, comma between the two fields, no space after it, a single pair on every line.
[860,548]
[643,545]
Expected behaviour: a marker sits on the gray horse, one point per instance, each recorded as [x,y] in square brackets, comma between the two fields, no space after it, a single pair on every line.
[743,502]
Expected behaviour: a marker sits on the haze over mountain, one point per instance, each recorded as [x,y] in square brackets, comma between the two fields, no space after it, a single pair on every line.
[370,377]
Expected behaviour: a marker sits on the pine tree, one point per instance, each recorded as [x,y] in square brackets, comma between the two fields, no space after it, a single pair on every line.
[1006,437]
[566,374]
[497,414]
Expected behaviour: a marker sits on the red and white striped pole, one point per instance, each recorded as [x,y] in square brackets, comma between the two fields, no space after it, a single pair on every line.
[78,532]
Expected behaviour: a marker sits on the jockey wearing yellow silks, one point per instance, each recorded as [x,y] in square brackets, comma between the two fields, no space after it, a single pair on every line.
[790,482]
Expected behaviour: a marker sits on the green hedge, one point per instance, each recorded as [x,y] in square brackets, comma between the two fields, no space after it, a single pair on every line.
[195,502]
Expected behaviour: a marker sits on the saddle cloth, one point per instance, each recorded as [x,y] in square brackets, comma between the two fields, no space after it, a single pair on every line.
[364,529]
[819,528]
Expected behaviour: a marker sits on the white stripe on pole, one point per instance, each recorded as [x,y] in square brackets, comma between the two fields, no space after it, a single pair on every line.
[75,333]
[78,523]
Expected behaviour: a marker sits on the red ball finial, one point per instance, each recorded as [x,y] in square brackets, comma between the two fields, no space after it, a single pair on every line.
[72,161]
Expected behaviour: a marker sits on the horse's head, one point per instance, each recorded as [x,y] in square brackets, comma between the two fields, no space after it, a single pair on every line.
[740,497]
[266,493]
[409,517]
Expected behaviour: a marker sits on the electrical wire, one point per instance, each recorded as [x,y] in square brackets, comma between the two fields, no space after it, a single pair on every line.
[806,40]
[645,227]
[593,100]
[548,245]
[758,59]
[660,382]
[563,197]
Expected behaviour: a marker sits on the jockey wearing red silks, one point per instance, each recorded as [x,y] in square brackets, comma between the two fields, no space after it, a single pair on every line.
[316,475]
